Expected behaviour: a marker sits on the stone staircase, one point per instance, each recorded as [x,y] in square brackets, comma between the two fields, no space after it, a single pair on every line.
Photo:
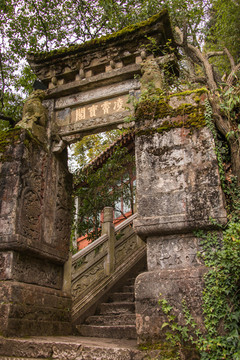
[109,334]
[115,318]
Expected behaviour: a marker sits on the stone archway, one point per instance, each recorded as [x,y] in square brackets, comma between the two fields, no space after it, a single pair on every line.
[178,182]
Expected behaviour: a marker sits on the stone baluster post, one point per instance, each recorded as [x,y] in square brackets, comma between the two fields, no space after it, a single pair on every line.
[108,228]
[67,275]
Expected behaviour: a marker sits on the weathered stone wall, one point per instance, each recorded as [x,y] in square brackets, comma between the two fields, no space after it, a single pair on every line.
[178,182]
[178,191]
[35,209]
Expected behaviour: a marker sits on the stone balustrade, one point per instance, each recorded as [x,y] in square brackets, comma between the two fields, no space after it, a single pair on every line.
[100,265]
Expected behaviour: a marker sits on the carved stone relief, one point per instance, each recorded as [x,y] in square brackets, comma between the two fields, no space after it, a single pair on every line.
[124,250]
[44,203]
[87,280]
[173,252]
[31,214]
[178,182]
[32,270]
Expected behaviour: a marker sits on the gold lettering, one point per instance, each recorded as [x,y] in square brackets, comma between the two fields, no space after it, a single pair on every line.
[93,110]
[118,105]
[80,114]
[105,107]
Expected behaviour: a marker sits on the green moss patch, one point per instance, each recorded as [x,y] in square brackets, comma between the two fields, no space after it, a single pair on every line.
[166,351]
[190,92]
[9,137]
[186,115]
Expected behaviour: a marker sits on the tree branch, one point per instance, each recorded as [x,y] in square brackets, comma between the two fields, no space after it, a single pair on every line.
[231,76]
[42,22]
[3,82]
[230,58]
[196,55]
[214,53]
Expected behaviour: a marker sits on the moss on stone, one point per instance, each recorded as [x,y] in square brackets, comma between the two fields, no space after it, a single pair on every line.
[186,115]
[12,137]
[8,137]
[190,92]
[166,351]
[102,40]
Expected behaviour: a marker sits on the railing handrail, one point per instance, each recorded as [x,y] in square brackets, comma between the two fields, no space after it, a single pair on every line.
[102,239]
[89,248]
[125,223]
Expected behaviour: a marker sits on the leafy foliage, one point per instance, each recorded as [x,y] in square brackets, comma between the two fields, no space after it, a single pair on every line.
[224,30]
[93,145]
[103,186]
[220,300]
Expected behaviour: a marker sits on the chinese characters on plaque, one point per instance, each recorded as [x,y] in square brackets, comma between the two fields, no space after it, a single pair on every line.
[107,107]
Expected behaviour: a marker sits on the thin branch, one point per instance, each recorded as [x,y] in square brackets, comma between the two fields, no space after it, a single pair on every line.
[230,58]
[198,79]
[231,76]
[214,53]
[3,82]
[42,22]
[184,37]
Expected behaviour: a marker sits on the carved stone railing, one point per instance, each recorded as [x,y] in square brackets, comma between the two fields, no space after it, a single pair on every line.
[100,265]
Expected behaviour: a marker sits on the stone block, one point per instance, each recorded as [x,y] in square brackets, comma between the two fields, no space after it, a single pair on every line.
[138,60]
[178,251]
[5,265]
[26,268]
[37,219]
[89,73]
[28,309]
[174,285]
[178,183]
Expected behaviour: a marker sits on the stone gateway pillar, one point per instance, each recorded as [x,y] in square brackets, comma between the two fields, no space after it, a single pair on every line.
[178,192]
[35,205]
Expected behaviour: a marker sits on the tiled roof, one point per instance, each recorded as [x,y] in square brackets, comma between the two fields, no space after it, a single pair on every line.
[126,140]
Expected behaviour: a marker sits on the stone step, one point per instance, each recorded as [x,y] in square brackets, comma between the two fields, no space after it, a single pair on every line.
[69,348]
[110,331]
[122,296]
[117,308]
[123,319]
[130,281]
[18,358]
[128,288]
